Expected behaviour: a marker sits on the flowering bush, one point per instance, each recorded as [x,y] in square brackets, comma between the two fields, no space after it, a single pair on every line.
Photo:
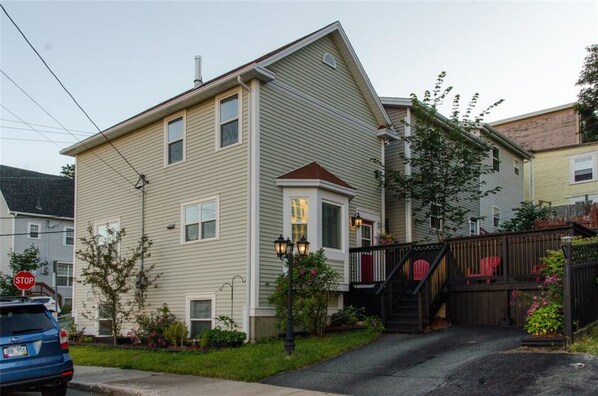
[152,327]
[387,239]
[373,323]
[314,282]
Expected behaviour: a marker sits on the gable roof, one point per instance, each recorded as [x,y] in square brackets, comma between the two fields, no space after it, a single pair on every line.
[485,129]
[314,175]
[35,193]
[256,69]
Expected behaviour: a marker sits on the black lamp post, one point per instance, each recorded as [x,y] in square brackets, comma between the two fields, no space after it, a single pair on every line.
[284,250]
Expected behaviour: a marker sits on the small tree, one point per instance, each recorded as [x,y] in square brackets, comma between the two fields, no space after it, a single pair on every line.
[587,105]
[26,261]
[526,215]
[314,282]
[447,161]
[113,276]
[68,170]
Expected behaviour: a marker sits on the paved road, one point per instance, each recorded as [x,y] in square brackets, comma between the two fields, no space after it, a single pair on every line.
[452,361]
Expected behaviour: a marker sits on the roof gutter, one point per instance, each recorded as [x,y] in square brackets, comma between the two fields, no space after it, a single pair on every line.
[40,215]
[193,97]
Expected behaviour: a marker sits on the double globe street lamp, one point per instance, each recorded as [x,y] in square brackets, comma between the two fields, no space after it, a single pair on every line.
[284,250]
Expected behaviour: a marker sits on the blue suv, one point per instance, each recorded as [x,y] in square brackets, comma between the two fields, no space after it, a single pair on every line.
[34,349]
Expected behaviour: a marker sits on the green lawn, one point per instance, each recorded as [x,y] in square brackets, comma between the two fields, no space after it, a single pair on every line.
[587,343]
[252,362]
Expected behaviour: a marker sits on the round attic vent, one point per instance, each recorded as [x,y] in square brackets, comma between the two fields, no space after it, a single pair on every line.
[329,60]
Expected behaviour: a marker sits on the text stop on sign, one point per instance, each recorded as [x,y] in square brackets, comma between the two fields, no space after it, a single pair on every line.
[24,280]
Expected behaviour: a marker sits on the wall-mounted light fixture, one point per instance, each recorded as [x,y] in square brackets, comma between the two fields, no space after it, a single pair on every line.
[356,220]
[170,227]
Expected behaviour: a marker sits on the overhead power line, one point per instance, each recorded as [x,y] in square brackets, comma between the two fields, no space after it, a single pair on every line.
[59,123]
[44,131]
[66,90]
[82,133]
[27,233]
[35,140]
[47,138]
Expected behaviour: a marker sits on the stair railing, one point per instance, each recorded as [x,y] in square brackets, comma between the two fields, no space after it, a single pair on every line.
[394,285]
[429,291]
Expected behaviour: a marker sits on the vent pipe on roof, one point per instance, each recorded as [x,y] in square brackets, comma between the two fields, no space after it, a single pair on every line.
[198,80]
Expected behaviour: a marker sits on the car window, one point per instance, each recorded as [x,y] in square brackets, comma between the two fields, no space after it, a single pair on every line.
[43,299]
[23,319]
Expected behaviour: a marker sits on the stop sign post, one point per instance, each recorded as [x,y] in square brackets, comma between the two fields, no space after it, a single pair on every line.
[24,281]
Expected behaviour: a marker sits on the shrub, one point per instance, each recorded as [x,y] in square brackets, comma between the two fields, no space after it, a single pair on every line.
[547,319]
[348,316]
[152,327]
[222,338]
[176,333]
[314,281]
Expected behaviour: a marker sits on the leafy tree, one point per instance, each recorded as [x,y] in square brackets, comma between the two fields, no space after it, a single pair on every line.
[447,161]
[113,277]
[68,170]
[525,215]
[26,261]
[314,282]
[587,105]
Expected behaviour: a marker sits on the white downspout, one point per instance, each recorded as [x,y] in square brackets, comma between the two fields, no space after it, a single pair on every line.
[408,206]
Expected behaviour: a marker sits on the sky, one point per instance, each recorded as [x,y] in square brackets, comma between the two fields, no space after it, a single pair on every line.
[120,58]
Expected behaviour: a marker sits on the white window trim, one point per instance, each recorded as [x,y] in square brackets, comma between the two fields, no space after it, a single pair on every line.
[499,216]
[98,321]
[71,274]
[199,296]
[65,236]
[103,223]
[216,199]
[183,114]
[496,158]
[343,229]
[439,219]
[39,230]
[477,227]
[572,158]
[516,165]
[236,91]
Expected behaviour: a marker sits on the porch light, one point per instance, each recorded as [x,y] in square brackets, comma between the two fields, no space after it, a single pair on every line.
[356,220]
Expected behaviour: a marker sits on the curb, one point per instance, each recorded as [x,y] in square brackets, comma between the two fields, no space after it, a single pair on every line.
[110,389]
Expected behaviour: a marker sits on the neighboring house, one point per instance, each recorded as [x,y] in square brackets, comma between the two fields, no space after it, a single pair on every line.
[564,170]
[37,209]
[485,215]
[280,145]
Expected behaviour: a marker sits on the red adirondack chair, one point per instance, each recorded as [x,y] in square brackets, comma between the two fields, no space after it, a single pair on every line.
[420,268]
[488,268]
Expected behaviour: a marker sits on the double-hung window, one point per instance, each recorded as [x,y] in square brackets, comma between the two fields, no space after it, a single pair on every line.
[64,274]
[228,121]
[174,135]
[69,236]
[496,159]
[495,217]
[200,313]
[332,226]
[107,234]
[583,167]
[34,230]
[516,166]
[104,320]
[435,218]
[201,220]
[299,218]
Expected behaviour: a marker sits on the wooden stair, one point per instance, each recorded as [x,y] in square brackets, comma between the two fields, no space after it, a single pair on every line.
[404,317]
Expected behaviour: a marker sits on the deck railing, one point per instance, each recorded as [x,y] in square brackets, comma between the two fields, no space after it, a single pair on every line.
[373,263]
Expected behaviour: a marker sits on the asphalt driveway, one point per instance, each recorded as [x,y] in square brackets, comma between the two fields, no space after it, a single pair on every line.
[453,361]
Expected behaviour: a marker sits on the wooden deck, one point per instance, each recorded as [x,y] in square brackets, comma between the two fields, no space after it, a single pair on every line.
[474,276]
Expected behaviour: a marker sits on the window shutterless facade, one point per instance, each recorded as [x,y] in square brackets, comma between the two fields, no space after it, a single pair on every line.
[516,166]
[496,159]
[64,274]
[299,218]
[435,218]
[582,167]
[104,321]
[69,236]
[200,220]
[34,230]
[332,226]
[174,139]
[228,120]
[200,313]
[495,217]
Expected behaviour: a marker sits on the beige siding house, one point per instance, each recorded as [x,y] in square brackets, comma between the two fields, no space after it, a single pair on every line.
[281,145]
[409,226]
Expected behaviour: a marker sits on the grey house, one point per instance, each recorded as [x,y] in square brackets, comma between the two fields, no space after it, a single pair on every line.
[37,209]
[487,214]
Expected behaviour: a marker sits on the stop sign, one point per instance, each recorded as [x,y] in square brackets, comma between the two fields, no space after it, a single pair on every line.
[24,280]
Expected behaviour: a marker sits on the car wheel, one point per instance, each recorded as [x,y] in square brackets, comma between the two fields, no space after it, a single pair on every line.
[58,390]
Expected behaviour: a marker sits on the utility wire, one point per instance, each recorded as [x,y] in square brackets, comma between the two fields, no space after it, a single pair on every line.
[48,126]
[66,90]
[36,140]
[41,232]
[16,116]
[59,123]
[44,131]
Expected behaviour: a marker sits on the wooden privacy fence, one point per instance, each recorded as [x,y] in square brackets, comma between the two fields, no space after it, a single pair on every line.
[580,287]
